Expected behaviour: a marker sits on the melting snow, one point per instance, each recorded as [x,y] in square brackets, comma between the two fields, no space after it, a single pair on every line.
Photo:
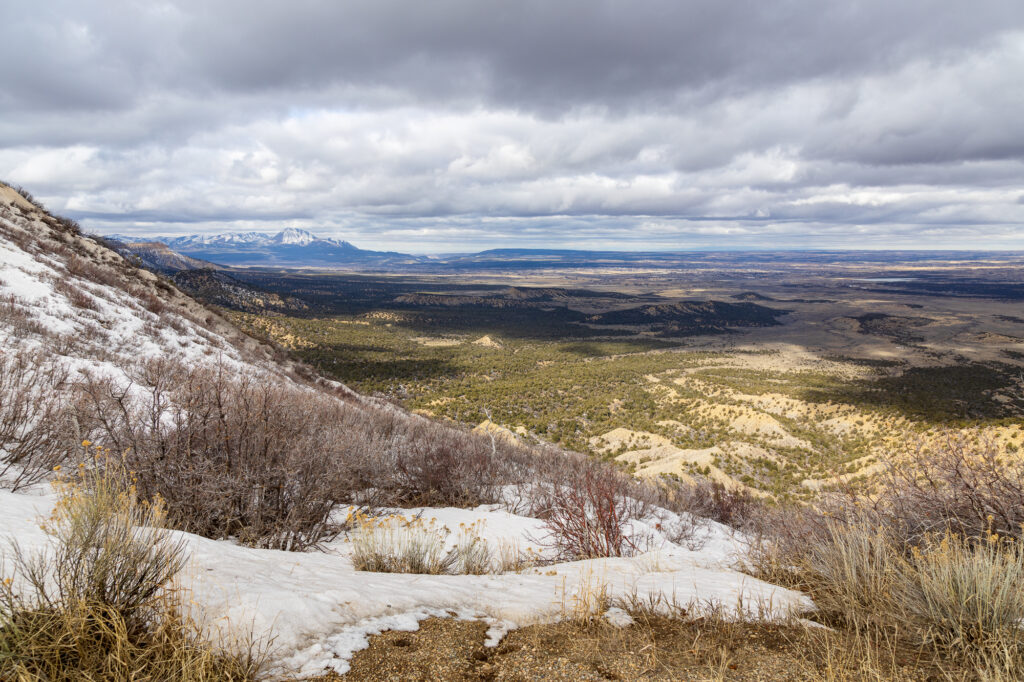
[319,610]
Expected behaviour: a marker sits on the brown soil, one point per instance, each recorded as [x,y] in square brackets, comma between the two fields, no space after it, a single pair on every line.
[659,649]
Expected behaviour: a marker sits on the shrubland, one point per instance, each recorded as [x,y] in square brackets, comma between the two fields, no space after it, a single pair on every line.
[36,427]
[842,413]
[930,561]
[266,462]
[101,603]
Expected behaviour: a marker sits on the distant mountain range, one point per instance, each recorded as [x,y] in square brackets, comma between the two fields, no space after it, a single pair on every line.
[290,247]
[295,248]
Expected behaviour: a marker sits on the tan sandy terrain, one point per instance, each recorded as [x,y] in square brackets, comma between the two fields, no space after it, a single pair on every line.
[437,342]
[487,342]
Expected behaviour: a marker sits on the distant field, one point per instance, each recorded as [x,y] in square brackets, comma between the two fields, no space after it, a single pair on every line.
[785,389]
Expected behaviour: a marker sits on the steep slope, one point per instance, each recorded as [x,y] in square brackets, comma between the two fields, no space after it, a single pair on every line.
[159,257]
[216,287]
[205,281]
[70,299]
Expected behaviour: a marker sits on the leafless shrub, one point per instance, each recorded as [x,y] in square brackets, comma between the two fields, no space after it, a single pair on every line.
[16,319]
[35,421]
[732,506]
[28,196]
[437,465]
[74,294]
[62,224]
[590,514]
[20,238]
[86,269]
[169,319]
[955,484]
[61,344]
[958,483]
[394,459]
[152,303]
[243,457]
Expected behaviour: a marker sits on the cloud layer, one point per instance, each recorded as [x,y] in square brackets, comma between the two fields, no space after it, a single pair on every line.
[462,124]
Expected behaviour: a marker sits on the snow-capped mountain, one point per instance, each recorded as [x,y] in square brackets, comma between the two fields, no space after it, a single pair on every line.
[290,247]
[296,237]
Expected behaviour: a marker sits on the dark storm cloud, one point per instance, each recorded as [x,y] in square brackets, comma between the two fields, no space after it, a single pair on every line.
[532,53]
[554,54]
[495,122]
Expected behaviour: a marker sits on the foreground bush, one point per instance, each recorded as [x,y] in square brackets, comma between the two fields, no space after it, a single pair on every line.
[100,606]
[35,419]
[954,483]
[959,596]
[395,459]
[591,516]
[245,457]
[967,596]
[265,461]
[933,559]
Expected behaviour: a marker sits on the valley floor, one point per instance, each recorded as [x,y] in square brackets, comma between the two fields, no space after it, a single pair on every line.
[854,370]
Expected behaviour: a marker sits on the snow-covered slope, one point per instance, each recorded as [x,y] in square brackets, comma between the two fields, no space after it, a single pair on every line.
[85,303]
[320,610]
[70,298]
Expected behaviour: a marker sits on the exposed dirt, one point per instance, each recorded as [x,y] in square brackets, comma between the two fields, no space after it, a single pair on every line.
[487,342]
[656,649]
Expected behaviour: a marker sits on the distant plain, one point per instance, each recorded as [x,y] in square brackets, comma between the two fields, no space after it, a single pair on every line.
[782,373]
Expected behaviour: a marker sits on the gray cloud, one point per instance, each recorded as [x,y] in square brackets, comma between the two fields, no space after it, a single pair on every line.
[487,123]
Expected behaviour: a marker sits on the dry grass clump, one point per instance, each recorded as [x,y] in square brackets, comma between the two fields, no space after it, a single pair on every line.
[589,600]
[956,597]
[967,597]
[931,562]
[473,554]
[101,605]
[396,544]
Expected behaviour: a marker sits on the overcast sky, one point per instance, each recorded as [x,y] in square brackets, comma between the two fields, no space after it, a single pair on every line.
[450,125]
